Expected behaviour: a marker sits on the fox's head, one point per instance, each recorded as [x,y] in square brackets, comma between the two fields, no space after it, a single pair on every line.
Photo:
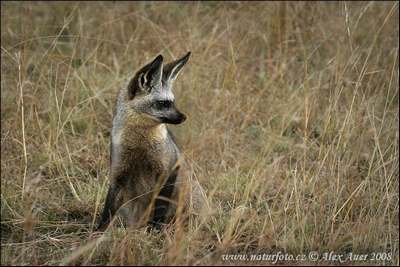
[150,90]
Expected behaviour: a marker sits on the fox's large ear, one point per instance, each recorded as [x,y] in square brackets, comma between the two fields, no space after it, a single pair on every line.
[151,74]
[148,77]
[171,70]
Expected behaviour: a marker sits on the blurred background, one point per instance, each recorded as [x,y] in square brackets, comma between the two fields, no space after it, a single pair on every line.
[293,127]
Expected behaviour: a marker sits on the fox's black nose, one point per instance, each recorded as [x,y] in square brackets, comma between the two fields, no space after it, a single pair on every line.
[180,117]
[183,117]
[174,118]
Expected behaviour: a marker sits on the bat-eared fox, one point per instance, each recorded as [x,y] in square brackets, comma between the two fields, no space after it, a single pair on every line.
[146,177]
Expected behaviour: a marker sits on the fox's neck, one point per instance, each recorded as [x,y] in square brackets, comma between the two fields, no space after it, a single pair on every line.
[142,123]
[139,129]
[149,130]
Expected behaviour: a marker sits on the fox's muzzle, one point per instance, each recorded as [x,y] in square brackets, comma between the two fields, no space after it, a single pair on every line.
[175,118]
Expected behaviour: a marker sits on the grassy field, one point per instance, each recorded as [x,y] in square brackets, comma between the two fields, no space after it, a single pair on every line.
[293,129]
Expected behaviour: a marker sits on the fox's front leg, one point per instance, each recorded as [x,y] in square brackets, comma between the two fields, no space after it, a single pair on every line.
[112,204]
[163,201]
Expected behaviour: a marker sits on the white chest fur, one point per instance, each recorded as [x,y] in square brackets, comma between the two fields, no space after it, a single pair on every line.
[160,132]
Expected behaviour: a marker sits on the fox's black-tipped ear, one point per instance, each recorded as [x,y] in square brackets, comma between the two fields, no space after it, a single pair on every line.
[152,73]
[148,77]
[171,70]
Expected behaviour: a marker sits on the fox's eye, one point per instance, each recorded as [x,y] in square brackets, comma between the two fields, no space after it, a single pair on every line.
[163,104]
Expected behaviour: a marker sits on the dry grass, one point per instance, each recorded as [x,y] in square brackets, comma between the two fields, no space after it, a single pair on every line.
[293,127]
